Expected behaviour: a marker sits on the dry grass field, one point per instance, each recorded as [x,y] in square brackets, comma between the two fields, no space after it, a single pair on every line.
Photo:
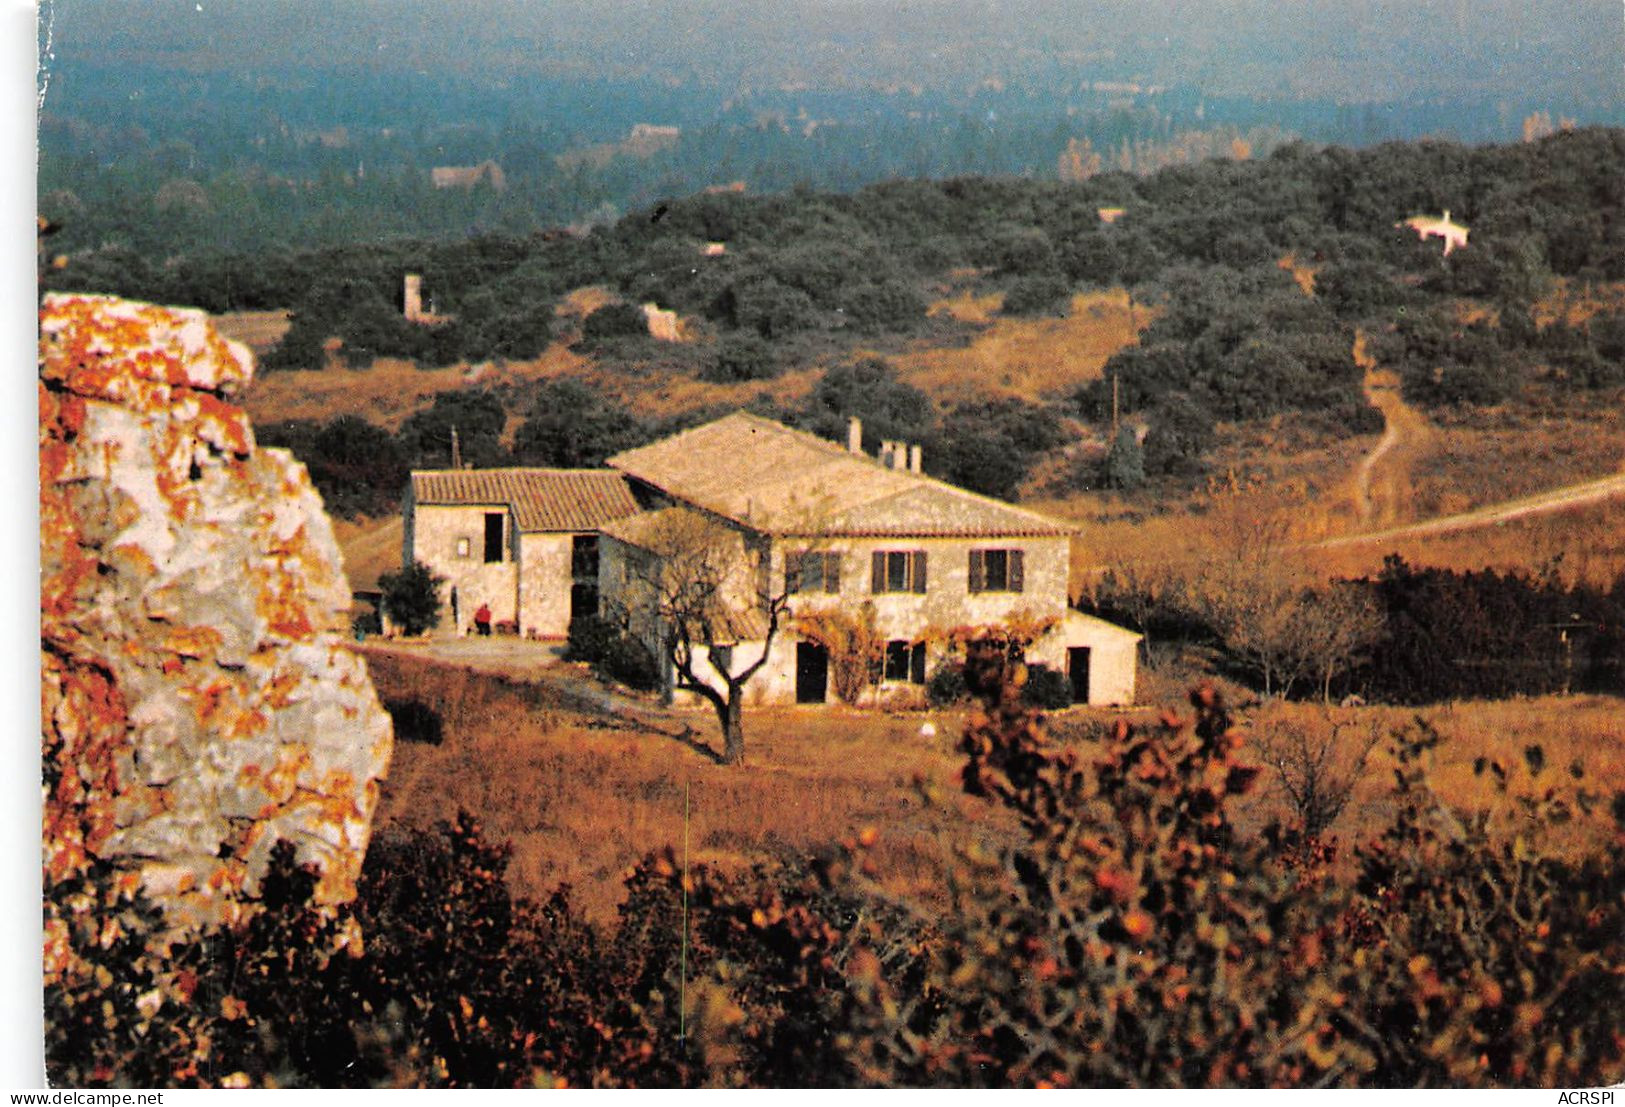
[1585,544]
[1031,359]
[1503,453]
[371,547]
[1584,730]
[582,797]
[389,390]
[258,330]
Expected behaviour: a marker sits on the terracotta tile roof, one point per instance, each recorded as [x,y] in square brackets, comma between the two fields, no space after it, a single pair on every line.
[542,499]
[783,481]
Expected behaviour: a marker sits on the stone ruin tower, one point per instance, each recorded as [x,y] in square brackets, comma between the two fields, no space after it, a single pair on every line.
[198,699]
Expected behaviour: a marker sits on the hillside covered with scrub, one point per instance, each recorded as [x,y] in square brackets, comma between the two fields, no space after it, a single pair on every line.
[1247,283]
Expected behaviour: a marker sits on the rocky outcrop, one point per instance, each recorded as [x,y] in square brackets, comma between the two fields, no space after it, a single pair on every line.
[199,701]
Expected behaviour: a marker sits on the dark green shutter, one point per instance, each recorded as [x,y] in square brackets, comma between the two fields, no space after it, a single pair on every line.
[832,572]
[1016,577]
[916,663]
[879,582]
[919,571]
[978,571]
[792,572]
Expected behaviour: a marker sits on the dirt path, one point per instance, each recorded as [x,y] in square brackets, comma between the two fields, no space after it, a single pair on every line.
[1382,490]
[1382,483]
[1556,499]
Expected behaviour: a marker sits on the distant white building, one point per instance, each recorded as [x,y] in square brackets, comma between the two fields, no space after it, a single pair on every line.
[1431,226]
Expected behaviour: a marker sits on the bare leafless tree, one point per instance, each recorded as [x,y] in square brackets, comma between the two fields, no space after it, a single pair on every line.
[1337,627]
[704,589]
[1249,591]
[1318,763]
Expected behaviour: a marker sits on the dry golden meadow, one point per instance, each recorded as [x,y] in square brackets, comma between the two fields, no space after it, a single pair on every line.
[1030,359]
[582,797]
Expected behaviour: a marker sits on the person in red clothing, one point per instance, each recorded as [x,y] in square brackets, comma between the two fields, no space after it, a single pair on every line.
[482,620]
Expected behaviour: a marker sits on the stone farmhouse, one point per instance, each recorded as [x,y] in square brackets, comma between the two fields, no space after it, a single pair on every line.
[837,529]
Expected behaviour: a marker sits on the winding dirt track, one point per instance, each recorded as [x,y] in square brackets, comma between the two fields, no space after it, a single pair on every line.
[1382,481]
[1556,499]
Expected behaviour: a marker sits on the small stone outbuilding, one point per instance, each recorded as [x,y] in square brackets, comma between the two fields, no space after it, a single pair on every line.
[522,542]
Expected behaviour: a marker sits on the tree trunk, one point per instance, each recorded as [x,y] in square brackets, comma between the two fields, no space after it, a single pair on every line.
[733,728]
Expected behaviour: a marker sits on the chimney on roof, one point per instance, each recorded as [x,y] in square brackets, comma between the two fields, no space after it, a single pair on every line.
[914,458]
[854,435]
[456,452]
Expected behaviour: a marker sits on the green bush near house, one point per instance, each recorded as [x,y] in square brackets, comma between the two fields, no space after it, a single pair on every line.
[412,597]
[612,653]
[1046,688]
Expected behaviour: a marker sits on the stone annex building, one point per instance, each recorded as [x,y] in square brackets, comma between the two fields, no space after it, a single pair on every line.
[835,527]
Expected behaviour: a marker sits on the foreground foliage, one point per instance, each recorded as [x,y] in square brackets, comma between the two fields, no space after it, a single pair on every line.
[1134,936]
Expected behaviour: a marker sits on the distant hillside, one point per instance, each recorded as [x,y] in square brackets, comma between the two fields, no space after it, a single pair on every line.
[170,127]
[1217,294]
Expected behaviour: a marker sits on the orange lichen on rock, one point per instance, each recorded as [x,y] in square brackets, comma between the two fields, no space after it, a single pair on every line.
[193,609]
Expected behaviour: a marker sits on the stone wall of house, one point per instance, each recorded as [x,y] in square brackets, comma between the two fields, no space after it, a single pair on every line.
[199,700]
[948,601]
[450,540]
[1112,656]
[947,604]
[544,584]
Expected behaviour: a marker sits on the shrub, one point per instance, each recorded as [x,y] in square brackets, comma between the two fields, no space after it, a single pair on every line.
[1317,765]
[477,417]
[1046,688]
[770,309]
[1476,955]
[946,686]
[991,446]
[885,305]
[1038,294]
[1135,938]
[415,721]
[412,597]
[742,357]
[573,426]
[1125,461]
[612,653]
[1130,940]
[614,321]
[856,647]
[1447,634]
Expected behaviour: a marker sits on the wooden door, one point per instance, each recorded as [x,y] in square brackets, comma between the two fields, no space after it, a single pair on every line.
[812,672]
[1077,672]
